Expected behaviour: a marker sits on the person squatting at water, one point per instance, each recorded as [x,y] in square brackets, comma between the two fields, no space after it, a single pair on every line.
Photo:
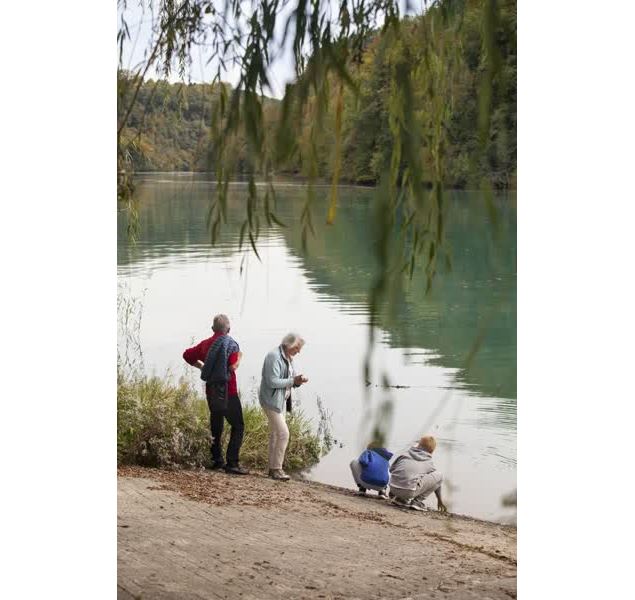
[413,476]
[278,378]
[370,470]
[218,357]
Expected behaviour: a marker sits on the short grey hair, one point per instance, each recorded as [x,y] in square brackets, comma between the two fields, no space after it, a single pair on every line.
[291,340]
[221,324]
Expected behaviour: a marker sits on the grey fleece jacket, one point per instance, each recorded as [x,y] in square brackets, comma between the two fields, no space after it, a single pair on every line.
[410,467]
[277,377]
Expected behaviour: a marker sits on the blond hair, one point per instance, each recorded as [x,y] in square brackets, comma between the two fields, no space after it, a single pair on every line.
[428,443]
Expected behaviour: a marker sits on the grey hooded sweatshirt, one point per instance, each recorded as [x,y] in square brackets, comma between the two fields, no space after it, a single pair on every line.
[410,467]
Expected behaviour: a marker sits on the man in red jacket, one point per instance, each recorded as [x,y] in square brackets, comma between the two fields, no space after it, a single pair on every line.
[232,410]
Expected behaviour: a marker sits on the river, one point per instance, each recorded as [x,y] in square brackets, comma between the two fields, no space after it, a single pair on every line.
[181,281]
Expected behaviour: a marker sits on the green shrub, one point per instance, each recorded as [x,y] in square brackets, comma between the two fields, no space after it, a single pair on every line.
[162,424]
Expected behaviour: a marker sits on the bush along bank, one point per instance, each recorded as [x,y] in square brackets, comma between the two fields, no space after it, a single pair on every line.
[161,423]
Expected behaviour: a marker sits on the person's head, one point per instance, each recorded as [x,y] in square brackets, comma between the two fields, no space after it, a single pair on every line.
[292,344]
[220,324]
[428,443]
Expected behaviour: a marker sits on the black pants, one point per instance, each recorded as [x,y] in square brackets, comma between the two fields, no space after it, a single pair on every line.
[233,412]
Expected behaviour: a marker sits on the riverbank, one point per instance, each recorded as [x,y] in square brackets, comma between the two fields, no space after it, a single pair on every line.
[283,178]
[201,534]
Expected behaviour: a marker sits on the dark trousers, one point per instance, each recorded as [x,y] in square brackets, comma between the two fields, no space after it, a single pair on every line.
[233,412]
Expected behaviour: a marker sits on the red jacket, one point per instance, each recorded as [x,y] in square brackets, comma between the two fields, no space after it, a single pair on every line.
[199,352]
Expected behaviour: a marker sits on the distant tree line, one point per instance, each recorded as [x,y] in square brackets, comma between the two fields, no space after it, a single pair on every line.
[171,124]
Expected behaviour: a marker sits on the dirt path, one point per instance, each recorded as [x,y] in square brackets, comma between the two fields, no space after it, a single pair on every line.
[199,535]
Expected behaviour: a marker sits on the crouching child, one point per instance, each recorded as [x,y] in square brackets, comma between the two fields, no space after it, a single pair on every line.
[413,476]
[370,470]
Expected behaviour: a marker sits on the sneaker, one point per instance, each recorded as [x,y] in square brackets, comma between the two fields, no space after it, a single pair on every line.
[361,491]
[278,475]
[401,502]
[382,494]
[217,464]
[235,470]
[418,505]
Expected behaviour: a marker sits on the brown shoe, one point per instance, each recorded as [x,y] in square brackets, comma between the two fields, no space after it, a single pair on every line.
[278,475]
[235,470]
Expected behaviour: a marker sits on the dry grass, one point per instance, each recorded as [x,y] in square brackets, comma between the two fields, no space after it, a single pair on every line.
[165,424]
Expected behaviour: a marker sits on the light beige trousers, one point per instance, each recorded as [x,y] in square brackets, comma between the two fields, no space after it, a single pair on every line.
[278,438]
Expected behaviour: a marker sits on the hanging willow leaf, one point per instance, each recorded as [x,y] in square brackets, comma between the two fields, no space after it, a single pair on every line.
[412,265]
[330,218]
[241,237]
[253,246]
[276,220]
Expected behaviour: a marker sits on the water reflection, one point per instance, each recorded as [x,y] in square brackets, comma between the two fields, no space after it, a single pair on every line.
[479,294]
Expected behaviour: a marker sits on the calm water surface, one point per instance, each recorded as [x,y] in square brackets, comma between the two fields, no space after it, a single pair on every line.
[182,282]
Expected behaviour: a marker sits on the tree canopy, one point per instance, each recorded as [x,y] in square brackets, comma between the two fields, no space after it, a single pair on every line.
[172,121]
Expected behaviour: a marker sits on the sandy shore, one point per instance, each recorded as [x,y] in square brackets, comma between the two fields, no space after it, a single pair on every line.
[189,534]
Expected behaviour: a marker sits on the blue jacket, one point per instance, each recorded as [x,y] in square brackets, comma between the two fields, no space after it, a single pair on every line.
[375,466]
[216,367]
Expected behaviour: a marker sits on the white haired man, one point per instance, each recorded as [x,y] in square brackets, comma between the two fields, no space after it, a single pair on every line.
[278,377]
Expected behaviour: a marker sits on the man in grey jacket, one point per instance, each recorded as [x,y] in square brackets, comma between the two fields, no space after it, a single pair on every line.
[278,377]
[413,476]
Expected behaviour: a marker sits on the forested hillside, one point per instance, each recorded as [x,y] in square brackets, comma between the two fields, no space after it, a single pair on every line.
[170,123]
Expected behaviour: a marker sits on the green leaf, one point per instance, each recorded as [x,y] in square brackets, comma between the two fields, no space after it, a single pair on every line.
[275,219]
[253,246]
[241,238]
